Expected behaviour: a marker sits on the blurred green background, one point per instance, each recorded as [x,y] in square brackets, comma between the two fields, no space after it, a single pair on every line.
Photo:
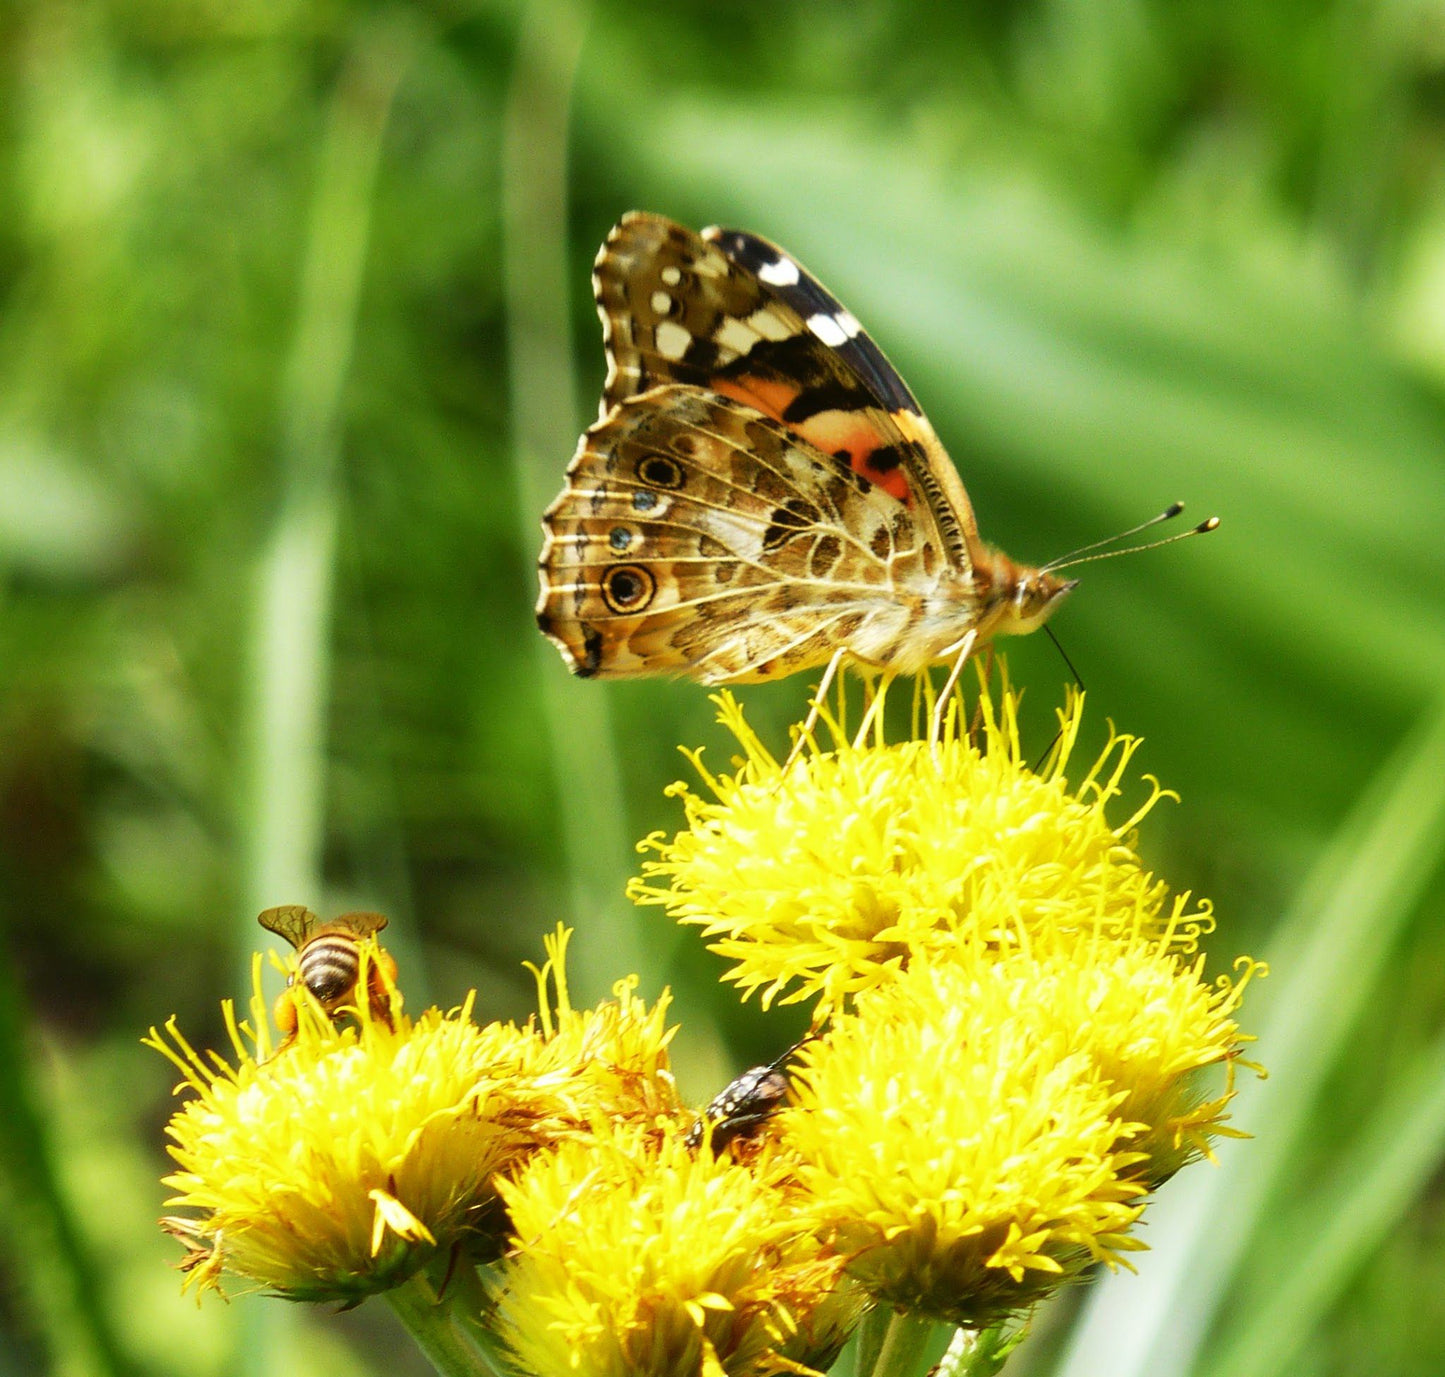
[295,341]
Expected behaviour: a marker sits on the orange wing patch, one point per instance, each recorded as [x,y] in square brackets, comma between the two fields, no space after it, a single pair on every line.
[849,435]
[765,394]
[870,455]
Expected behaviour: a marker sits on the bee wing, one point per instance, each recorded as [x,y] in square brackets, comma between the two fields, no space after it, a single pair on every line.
[362,924]
[294,922]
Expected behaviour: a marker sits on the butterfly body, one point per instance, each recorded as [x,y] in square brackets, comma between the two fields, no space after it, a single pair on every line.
[761,489]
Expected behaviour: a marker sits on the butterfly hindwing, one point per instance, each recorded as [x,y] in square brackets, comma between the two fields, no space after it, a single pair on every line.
[699,534]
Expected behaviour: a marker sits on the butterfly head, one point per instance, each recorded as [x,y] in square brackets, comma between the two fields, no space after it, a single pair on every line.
[1020,599]
[1035,596]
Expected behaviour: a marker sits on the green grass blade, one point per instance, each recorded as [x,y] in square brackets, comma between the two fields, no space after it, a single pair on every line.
[46,1252]
[585,768]
[290,658]
[289,686]
[1326,964]
[1334,1233]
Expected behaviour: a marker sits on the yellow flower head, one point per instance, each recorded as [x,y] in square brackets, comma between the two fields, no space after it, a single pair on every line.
[1149,1023]
[610,1062]
[959,1147]
[339,1165]
[832,875]
[637,1256]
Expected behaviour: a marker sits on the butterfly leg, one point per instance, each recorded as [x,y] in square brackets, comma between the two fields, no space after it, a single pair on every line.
[875,706]
[940,709]
[805,733]
[976,720]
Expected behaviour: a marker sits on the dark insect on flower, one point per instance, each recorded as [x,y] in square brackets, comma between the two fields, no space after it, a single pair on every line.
[744,1105]
[330,961]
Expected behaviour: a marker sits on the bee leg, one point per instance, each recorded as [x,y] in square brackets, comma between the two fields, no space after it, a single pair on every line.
[380,984]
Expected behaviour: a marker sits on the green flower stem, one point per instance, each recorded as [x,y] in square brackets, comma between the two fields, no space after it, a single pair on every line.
[892,1343]
[439,1331]
[977,1352]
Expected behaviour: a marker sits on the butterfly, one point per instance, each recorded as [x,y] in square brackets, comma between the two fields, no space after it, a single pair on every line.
[761,493]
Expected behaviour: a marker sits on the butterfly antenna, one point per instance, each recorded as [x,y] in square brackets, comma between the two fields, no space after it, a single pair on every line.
[1168,514]
[1083,557]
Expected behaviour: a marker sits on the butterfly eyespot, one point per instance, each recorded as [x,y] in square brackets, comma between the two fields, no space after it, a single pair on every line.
[684,445]
[644,501]
[619,538]
[627,588]
[660,471]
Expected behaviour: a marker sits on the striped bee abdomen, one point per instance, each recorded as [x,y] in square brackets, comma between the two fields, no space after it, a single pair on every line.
[329,966]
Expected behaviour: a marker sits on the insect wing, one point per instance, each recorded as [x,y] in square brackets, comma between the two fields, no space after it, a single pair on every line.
[361,923]
[732,313]
[294,922]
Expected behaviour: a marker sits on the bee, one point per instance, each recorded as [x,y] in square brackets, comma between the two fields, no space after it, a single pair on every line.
[746,1104]
[330,962]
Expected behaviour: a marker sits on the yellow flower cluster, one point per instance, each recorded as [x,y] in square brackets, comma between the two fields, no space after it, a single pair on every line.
[343,1163]
[830,876]
[1012,1039]
[1014,1016]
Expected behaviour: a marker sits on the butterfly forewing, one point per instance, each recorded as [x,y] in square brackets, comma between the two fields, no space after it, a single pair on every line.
[733,313]
[823,315]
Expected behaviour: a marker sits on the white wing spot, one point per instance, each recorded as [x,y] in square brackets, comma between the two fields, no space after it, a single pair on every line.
[672,340]
[661,303]
[768,325]
[849,322]
[672,276]
[782,273]
[734,334]
[827,329]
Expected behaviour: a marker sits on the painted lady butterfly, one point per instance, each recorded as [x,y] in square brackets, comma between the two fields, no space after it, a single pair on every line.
[762,493]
